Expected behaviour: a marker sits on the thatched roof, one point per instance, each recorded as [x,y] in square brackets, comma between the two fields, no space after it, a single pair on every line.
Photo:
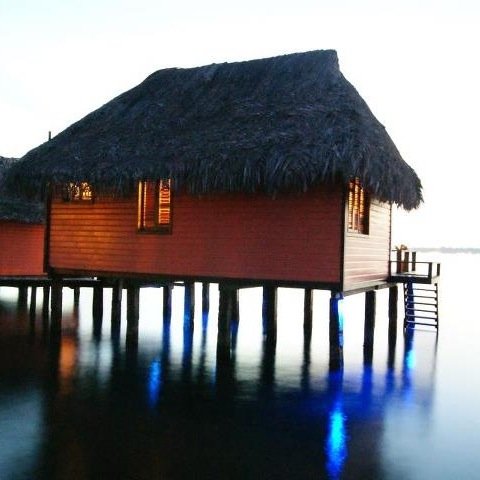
[277,124]
[13,208]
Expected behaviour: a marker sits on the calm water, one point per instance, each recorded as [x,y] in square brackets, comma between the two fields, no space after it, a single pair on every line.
[89,407]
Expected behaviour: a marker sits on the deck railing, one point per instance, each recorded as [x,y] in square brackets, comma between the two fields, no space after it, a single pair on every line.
[406,266]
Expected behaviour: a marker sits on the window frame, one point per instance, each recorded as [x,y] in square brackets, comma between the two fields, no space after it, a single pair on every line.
[358,208]
[68,192]
[158,227]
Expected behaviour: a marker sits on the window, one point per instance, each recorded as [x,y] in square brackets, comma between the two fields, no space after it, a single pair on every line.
[77,192]
[358,207]
[154,206]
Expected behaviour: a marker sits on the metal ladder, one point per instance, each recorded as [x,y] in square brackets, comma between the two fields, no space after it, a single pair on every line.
[421,304]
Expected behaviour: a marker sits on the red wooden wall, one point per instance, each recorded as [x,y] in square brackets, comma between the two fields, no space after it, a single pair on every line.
[366,256]
[290,238]
[21,249]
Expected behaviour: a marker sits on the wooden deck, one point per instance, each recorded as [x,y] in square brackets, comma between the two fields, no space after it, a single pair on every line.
[44,281]
[414,272]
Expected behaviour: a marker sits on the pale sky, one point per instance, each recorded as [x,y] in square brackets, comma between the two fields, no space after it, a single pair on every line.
[416,63]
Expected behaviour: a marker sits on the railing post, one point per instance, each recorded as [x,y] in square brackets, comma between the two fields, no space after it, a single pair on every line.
[414,261]
[406,261]
[399,261]
[430,266]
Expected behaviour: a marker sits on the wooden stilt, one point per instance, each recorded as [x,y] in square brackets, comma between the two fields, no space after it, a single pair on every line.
[33,303]
[269,312]
[392,313]
[369,327]
[336,331]
[57,303]
[76,296]
[225,312]
[167,302]
[205,297]
[308,313]
[133,313]
[97,307]
[189,304]
[116,310]
[46,305]
[97,311]
[392,324]
[234,300]
[22,296]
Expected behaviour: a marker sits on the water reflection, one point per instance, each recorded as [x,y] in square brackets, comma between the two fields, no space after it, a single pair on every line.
[67,363]
[154,382]
[184,409]
[336,441]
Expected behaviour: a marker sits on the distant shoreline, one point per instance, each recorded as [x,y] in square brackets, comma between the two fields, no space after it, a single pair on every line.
[448,249]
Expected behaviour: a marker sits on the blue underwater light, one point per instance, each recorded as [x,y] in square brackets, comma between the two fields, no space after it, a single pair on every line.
[154,382]
[336,447]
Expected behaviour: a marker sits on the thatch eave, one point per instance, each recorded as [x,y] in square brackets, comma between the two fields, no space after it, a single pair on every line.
[13,208]
[273,125]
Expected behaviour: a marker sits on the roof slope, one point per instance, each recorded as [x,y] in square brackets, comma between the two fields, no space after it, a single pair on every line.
[13,208]
[277,124]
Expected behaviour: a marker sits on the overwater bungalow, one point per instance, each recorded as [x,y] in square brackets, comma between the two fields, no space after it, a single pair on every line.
[22,233]
[268,172]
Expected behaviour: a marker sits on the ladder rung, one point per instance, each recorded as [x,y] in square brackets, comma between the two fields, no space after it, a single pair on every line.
[422,296]
[422,310]
[411,304]
[421,316]
[413,294]
[413,297]
[423,323]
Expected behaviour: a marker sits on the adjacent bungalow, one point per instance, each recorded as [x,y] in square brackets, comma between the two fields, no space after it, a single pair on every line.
[22,233]
[271,171]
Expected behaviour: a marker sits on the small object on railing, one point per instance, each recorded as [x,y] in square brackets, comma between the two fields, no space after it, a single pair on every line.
[401,259]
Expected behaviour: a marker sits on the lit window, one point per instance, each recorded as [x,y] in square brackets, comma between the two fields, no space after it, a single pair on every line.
[77,191]
[358,207]
[154,206]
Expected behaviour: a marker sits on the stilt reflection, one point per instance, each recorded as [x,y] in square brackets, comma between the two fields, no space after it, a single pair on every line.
[203,348]
[305,374]
[267,369]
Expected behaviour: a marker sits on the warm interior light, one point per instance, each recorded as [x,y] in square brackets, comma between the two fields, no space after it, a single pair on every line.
[164,203]
[77,191]
[357,207]
[154,205]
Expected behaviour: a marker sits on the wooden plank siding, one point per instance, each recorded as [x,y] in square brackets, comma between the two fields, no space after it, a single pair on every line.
[232,236]
[366,257]
[21,249]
